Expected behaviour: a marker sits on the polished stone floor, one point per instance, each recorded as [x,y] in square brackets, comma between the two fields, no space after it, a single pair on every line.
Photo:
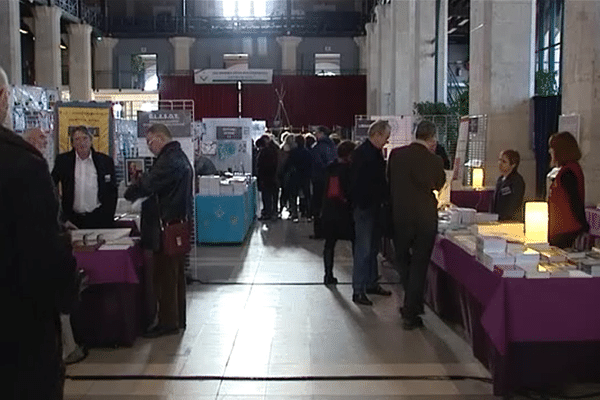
[261,325]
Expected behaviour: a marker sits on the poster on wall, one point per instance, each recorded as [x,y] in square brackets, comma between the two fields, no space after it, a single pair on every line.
[179,123]
[96,117]
[461,149]
[227,142]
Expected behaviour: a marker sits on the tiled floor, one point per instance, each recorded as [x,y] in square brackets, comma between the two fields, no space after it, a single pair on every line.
[259,310]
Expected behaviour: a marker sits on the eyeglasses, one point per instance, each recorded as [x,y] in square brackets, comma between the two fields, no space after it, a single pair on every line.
[150,141]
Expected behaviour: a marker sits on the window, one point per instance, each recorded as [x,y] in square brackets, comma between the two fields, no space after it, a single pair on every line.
[550,14]
[244,8]
[327,64]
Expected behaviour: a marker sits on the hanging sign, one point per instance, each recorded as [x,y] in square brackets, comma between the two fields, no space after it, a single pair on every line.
[179,122]
[206,76]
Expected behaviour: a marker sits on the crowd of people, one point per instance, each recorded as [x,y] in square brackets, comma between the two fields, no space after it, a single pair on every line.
[351,193]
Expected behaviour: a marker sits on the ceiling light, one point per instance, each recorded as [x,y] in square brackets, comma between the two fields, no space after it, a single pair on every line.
[23,31]
[452,30]
[62,46]
[464,21]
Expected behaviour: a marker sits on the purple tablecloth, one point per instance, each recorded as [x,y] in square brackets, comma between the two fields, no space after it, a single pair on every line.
[592,215]
[481,200]
[526,331]
[110,311]
[111,266]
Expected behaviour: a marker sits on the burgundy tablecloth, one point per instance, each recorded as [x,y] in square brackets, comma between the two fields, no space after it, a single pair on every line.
[481,200]
[111,266]
[526,331]
[109,313]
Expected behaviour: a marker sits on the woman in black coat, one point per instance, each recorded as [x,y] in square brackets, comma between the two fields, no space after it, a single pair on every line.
[336,214]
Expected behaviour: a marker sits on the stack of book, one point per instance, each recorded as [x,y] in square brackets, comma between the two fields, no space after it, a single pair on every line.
[555,270]
[509,271]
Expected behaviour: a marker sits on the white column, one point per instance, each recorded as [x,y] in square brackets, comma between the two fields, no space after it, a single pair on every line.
[10,40]
[182,45]
[80,62]
[289,46]
[405,54]
[373,69]
[581,85]
[425,46]
[501,80]
[47,46]
[363,58]
[104,62]
[386,43]
[442,49]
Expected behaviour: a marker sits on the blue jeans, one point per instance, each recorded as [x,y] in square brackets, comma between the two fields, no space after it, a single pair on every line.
[366,247]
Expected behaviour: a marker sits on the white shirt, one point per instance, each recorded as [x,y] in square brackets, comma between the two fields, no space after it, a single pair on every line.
[86,185]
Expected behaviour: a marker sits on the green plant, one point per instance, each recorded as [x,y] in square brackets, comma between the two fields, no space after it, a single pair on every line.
[545,83]
[137,64]
[429,108]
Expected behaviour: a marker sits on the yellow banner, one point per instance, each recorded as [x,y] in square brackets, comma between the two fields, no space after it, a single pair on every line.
[96,119]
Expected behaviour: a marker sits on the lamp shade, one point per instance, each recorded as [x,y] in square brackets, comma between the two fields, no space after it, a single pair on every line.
[536,221]
[477,178]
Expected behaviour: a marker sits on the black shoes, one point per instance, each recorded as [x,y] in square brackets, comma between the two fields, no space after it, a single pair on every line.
[160,331]
[330,280]
[362,299]
[408,324]
[379,290]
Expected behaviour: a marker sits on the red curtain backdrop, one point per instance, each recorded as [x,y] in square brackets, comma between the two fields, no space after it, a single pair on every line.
[308,100]
[210,101]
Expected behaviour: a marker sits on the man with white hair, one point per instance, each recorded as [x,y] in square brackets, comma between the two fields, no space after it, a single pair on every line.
[36,269]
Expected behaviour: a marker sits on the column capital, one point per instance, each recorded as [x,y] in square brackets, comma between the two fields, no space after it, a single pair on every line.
[79,29]
[53,12]
[107,43]
[360,41]
[182,41]
[289,40]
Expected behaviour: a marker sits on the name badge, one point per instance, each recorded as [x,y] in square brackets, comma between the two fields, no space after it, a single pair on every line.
[107,178]
[505,191]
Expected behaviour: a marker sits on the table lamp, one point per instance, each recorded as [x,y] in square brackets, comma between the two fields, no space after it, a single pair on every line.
[477,178]
[536,221]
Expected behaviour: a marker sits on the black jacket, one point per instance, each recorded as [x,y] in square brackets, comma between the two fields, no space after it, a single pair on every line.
[36,267]
[336,214]
[168,185]
[508,198]
[64,173]
[369,184]
[414,173]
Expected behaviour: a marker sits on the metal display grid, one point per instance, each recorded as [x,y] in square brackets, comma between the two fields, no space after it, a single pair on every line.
[476,143]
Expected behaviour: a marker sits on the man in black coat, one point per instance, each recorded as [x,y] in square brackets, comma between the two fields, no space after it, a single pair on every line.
[414,172]
[36,270]
[369,191]
[168,188]
[88,184]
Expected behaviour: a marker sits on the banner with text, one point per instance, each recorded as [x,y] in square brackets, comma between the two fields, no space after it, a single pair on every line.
[205,76]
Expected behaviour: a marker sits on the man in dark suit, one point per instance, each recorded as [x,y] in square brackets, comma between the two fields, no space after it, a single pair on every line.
[369,191]
[414,172]
[36,270]
[88,183]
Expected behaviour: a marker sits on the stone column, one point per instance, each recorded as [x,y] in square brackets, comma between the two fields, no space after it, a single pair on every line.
[424,62]
[182,45]
[581,85]
[405,54]
[80,62]
[373,68]
[289,46]
[442,50]
[501,80]
[10,40]
[47,46]
[104,62]
[386,52]
[361,42]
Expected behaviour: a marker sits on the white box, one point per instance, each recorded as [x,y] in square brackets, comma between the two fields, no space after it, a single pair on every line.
[490,244]
[527,257]
[490,260]
[225,188]
[209,185]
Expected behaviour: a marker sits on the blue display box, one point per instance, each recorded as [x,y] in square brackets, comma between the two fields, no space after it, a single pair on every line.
[225,219]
